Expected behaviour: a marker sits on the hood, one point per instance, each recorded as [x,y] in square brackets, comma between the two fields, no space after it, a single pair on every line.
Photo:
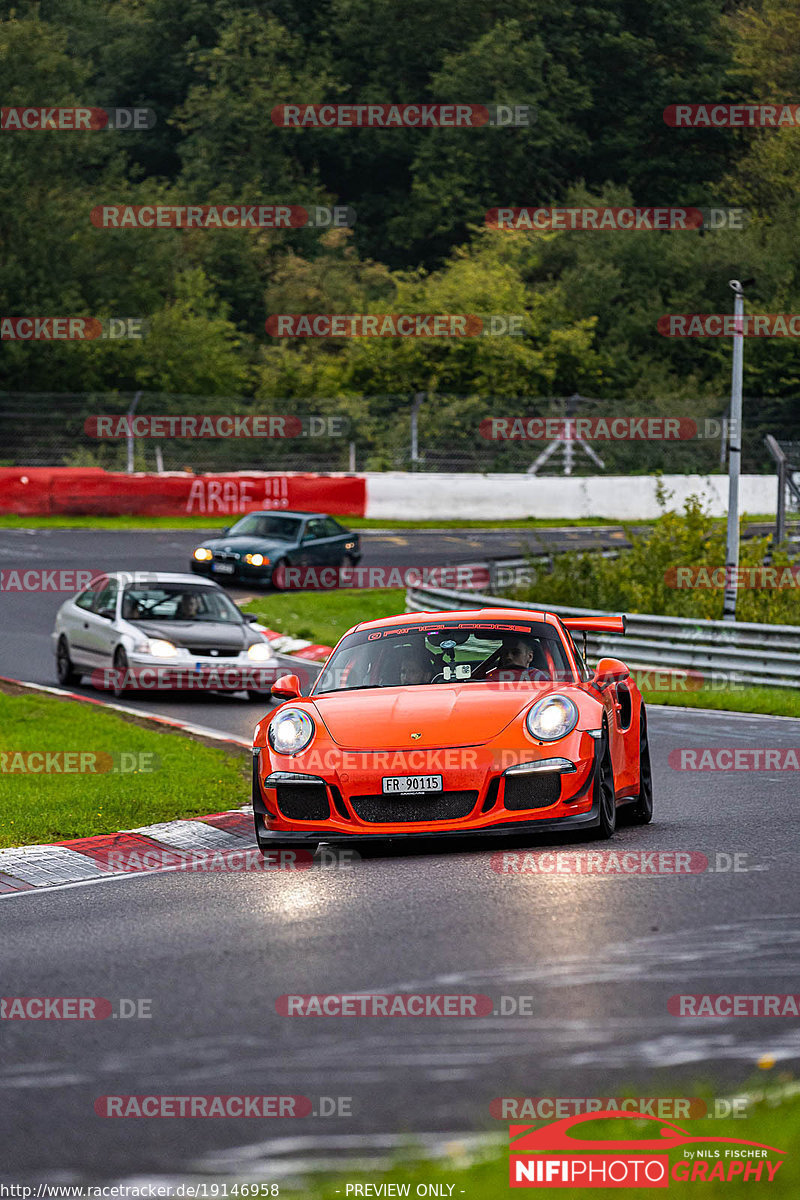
[385,718]
[248,543]
[200,634]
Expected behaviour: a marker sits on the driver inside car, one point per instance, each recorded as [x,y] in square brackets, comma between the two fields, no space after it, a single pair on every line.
[516,656]
[188,606]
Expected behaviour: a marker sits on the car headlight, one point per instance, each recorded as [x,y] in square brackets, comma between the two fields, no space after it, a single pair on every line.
[552,718]
[158,647]
[259,651]
[290,732]
[256,560]
[201,554]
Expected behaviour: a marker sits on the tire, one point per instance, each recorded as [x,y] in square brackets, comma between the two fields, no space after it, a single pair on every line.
[65,668]
[641,811]
[604,790]
[121,671]
[281,563]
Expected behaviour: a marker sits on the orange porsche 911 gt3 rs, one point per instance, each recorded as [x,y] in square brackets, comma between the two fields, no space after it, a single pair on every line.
[483,722]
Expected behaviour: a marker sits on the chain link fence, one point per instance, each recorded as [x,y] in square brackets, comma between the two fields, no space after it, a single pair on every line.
[421,431]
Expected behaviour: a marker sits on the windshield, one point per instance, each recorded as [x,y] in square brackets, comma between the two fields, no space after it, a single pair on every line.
[272,525]
[178,602]
[447,652]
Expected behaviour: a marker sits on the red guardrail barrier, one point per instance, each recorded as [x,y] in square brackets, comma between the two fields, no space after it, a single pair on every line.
[76,491]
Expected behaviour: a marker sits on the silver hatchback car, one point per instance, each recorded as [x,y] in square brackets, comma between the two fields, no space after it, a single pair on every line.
[157,631]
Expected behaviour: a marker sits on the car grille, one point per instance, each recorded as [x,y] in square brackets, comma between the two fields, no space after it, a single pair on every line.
[226,556]
[436,806]
[215,651]
[304,801]
[537,790]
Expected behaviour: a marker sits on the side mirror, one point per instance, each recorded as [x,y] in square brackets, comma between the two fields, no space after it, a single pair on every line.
[107,613]
[225,529]
[610,670]
[286,688]
[251,617]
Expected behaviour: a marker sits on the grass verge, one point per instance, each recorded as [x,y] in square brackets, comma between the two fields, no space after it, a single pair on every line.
[159,775]
[215,525]
[13,521]
[323,617]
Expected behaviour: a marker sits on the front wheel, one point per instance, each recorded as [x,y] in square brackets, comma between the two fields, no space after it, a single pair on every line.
[641,811]
[120,678]
[67,675]
[277,577]
[604,790]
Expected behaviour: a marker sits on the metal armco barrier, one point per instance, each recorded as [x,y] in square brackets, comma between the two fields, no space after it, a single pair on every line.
[734,651]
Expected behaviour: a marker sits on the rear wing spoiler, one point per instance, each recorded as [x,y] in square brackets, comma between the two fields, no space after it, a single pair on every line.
[595,624]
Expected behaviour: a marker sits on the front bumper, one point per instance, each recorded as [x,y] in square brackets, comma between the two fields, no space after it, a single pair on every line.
[241,571]
[198,674]
[478,799]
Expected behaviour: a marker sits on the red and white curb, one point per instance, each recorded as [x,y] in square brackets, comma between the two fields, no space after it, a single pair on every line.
[281,643]
[86,860]
[80,861]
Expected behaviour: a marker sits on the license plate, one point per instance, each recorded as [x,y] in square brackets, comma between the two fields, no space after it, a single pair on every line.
[223,568]
[397,785]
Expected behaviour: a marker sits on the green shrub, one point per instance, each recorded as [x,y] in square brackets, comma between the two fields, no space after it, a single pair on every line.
[642,579]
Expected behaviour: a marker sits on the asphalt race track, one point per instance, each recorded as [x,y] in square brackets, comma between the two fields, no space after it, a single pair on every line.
[591,959]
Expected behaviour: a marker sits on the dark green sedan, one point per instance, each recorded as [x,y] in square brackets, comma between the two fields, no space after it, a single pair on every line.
[254,549]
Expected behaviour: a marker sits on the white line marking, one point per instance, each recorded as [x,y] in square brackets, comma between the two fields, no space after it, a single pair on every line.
[722,713]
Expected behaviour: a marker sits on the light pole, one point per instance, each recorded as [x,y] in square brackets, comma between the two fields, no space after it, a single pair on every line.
[129,437]
[734,456]
[418,398]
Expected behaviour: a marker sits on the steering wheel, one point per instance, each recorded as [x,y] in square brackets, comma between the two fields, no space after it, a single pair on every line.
[527,675]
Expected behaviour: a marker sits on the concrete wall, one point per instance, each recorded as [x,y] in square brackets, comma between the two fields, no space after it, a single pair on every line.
[394,495]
